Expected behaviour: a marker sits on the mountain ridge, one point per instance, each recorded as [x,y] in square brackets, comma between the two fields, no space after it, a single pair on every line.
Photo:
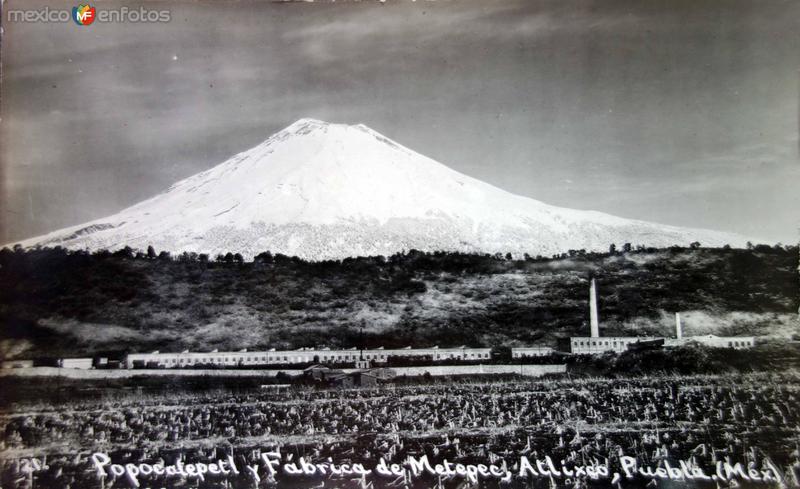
[319,190]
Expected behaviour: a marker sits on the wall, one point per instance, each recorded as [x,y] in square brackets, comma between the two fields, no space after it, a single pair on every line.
[526,370]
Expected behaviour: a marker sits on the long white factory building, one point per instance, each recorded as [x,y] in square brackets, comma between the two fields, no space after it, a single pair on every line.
[301,356]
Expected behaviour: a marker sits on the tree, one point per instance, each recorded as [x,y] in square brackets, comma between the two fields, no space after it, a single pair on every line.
[151,252]
[626,248]
[265,257]
[694,245]
[612,249]
[187,256]
[125,252]
[238,258]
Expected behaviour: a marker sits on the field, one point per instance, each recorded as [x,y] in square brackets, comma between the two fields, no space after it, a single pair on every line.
[584,425]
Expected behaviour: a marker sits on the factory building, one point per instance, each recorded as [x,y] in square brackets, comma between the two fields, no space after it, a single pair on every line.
[595,344]
[531,351]
[582,345]
[300,356]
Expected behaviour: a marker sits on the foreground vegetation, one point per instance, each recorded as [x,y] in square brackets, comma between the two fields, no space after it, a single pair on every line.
[740,419]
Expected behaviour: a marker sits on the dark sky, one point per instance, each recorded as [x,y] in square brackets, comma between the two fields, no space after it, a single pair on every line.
[680,112]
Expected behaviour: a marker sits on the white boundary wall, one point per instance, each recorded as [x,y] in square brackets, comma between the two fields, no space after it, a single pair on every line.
[526,370]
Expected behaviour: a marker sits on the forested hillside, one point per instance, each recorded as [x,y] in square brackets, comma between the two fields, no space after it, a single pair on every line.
[57,302]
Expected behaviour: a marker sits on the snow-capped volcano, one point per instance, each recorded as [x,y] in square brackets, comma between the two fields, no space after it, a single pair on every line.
[320,191]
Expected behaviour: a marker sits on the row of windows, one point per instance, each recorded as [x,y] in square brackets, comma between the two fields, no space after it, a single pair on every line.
[613,343]
[531,353]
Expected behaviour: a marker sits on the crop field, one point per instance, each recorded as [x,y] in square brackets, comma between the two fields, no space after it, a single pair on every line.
[666,431]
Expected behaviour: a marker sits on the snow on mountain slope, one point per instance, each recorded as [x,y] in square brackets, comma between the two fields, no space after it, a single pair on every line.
[322,191]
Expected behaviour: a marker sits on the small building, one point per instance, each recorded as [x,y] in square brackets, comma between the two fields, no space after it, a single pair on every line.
[78,363]
[353,379]
[714,341]
[383,373]
[321,373]
[531,351]
[16,364]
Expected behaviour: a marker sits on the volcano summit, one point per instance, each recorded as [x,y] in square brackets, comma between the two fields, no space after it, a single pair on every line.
[329,191]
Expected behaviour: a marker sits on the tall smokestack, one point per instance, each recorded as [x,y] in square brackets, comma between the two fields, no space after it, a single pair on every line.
[678,327]
[595,327]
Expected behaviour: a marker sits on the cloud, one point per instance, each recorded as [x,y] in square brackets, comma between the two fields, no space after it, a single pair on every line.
[642,106]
